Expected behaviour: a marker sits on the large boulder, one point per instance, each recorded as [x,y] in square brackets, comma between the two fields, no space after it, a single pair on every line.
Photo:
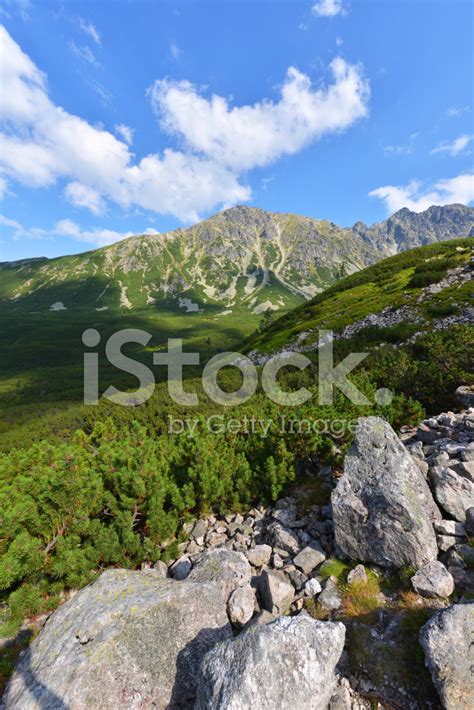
[130,640]
[447,643]
[227,568]
[453,491]
[286,664]
[383,510]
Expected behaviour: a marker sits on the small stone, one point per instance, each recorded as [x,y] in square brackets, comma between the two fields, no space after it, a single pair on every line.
[276,592]
[277,561]
[241,605]
[199,532]
[283,538]
[330,598]
[309,558]
[358,574]
[181,568]
[259,556]
[161,567]
[192,548]
[298,579]
[285,515]
[445,542]
[449,527]
[469,524]
[433,580]
[312,587]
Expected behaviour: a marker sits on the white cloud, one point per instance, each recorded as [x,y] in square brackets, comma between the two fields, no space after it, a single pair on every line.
[244,137]
[175,51]
[459,189]
[84,53]
[125,132]
[22,7]
[329,8]
[455,147]
[3,187]
[42,143]
[404,149]
[456,111]
[67,228]
[97,236]
[103,93]
[90,30]
[81,195]
[339,41]
[21,232]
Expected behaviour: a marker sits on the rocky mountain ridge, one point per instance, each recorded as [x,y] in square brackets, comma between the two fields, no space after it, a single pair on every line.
[243,256]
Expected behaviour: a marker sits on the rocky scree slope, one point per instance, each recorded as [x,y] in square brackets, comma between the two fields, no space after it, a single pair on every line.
[314,625]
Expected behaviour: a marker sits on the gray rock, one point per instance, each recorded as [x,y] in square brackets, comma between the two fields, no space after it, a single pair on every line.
[228,568]
[276,592]
[358,574]
[465,394]
[181,568]
[161,567]
[297,578]
[241,605]
[284,539]
[259,556]
[312,587]
[287,664]
[449,527]
[130,640]
[382,506]
[464,468]
[469,524]
[433,580]
[445,542]
[330,598]
[309,558]
[446,641]
[199,531]
[454,493]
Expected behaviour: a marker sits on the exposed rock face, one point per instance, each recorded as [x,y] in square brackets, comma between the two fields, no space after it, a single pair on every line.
[286,664]
[447,642]
[230,569]
[383,509]
[130,640]
[433,580]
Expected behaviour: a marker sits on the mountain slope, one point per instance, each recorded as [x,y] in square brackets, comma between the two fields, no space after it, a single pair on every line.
[429,287]
[209,284]
[242,256]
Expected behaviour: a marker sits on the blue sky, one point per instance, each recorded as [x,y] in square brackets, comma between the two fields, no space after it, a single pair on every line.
[123,116]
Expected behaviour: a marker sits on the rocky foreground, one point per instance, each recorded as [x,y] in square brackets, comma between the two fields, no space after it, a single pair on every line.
[296,606]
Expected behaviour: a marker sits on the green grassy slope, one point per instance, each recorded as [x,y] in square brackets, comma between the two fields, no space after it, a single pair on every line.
[394,282]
